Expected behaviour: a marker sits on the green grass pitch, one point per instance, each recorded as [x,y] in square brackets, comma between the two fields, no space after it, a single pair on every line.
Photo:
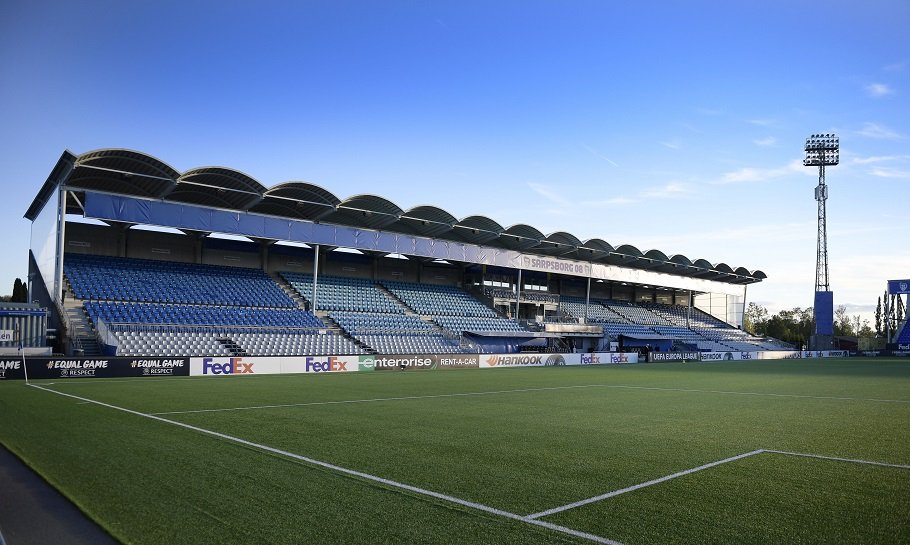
[475,456]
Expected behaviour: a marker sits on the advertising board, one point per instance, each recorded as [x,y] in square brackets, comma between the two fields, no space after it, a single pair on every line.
[407,362]
[491,361]
[114,367]
[622,357]
[319,364]
[11,369]
[458,361]
[234,366]
[673,356]
[497,361]
[255,365]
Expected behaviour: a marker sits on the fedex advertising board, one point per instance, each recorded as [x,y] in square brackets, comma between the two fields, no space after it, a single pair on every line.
[252,365]
[619,357]
[320,364]
[234,366]
[601,358]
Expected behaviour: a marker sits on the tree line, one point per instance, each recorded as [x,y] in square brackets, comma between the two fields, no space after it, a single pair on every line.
[19,295]
[797,325]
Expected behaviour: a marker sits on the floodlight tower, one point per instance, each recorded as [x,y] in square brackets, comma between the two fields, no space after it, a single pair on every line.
[822,150]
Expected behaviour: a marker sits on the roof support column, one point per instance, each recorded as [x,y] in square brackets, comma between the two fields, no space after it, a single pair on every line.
[263,256]
[517,295]
[588,298]
[197,248]
[742,319]
[315,274]
[688,309]
[123,231]
[61,232]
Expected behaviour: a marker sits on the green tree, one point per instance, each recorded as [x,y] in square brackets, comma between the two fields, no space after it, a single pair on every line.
[793,326]
[878,318]
[20,292]
[756,319]
[865,330]
[843,324]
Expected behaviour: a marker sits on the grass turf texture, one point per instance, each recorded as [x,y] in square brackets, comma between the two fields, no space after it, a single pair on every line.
[575,433]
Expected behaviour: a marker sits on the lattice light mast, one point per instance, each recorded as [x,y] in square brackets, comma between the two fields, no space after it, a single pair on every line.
[822,150]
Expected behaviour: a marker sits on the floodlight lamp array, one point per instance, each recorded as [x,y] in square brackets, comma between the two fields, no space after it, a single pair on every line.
[822,150]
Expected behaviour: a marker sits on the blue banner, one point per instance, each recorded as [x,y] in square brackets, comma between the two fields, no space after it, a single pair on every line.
[824,313]
[899,287]
[187,216]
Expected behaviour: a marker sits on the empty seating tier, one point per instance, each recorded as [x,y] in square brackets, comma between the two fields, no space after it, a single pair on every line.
[460,324]
[340,293]
[159,341]
[154,313]
[144,280]
[395,333]
[598,311]
[432,300]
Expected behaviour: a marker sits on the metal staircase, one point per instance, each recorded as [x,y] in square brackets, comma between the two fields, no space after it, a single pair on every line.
[79,328]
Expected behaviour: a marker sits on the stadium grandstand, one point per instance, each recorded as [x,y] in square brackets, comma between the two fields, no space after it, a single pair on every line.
[134,258]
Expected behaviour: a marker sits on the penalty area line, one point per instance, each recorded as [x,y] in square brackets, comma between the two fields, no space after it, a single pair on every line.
[632,488]
[652,482]
[836,459]
[350,472]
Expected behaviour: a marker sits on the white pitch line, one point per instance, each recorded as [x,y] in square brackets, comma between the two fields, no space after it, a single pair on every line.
[836,459]
[608,495]
[351,472]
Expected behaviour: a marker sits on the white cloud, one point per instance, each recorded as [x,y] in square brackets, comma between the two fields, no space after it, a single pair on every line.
[878,159]
[880,132]
[896,67]
[672,144]
[608,202]
[599,155]
[547,193]
[762,122]
[878,90]
[668,191]
[751,175]
[672,190]
[768,141]
[890,173]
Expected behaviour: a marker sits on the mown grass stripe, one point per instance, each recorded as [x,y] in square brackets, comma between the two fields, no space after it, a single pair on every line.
[378,399]
[632,488]
[524,390]
[347,471]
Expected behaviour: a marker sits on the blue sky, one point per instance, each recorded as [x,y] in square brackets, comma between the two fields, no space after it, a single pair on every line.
[670,125]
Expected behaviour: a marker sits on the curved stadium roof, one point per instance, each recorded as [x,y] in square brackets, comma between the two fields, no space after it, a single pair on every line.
[133,173]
